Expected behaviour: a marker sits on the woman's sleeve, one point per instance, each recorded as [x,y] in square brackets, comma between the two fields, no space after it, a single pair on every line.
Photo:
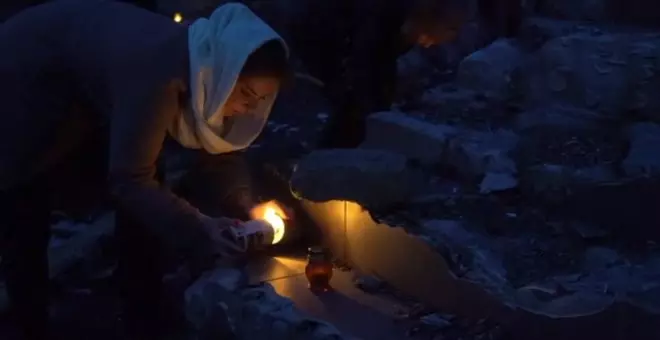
[139,126]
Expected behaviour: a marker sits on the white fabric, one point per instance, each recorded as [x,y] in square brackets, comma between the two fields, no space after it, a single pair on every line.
[219,47]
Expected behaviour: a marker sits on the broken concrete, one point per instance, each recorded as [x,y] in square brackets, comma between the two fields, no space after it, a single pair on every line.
[545,179]
[472,153]
[536,31]
[411,137]
[610,74]
[475,153]
[83,247]
[371,177]
[221,303]
[488,70]
[639,12]
[561,295]
[643,157]
[558,117]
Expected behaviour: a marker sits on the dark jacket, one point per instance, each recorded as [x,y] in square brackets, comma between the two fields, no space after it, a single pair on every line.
[79,63]
[351,46]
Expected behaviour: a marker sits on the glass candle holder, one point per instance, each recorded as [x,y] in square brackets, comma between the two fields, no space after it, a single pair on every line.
[319,269]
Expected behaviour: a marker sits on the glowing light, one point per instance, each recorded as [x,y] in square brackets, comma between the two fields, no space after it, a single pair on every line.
[276,222]
[178,17]
[272,213]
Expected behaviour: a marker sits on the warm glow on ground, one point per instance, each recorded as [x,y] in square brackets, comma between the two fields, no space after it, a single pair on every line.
[178,17]
[272,213]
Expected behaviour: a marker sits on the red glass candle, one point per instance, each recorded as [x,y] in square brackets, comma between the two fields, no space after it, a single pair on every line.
[319,269]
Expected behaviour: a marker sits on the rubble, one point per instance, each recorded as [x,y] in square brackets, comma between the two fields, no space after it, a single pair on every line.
[536,31]
[223,297]
[370,177]
[475,153]
[413,138]
[558,117]
[456,106]
[82,248]
[544,179]
[643,158]
[637,12]
[610,74]
[488,70]
[603,277]
[369,284]
[494,181]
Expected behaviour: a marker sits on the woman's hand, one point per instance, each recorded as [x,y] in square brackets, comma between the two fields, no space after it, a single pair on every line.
[220,243]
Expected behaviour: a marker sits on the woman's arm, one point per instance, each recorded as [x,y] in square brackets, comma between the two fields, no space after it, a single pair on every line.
[139,125]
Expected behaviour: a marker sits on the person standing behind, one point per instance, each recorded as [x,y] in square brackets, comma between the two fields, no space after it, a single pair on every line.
[352,47]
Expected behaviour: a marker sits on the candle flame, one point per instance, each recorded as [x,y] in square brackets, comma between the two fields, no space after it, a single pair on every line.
[178,17]
[272,213]
[276,222]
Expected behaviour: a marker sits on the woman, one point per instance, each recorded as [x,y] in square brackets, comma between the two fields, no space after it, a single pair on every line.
[71,67]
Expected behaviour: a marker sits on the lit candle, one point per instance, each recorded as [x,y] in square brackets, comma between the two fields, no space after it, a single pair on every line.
[178,17]
[274,215]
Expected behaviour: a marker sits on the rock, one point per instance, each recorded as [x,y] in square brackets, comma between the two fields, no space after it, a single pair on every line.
[475,153]
[448,98]
[369,177]
[637,12]
[488,70]
[552,177]
[557,117]
[497,182]
[412,74]
[221,302]
[588,231]
[83,248]
[610,74]
[453,105]
[213,288]
[643,157]
[536,31]
[483,265]
[369,284]
[436,321]
[413,138]
[596,258]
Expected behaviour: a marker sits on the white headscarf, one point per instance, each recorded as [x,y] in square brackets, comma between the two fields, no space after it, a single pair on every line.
[219,47]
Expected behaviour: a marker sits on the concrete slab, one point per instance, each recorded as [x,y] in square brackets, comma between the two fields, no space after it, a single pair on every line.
[411,266]
[351,310]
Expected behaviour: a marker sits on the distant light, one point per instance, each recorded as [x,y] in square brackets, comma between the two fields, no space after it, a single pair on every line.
[178,17]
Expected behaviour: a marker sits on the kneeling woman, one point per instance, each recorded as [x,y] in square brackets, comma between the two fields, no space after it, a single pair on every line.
[71,67]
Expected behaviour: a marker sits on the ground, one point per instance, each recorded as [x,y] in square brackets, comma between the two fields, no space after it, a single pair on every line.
[539,157]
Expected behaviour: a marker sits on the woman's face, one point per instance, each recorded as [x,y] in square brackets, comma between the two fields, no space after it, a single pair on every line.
[248,92]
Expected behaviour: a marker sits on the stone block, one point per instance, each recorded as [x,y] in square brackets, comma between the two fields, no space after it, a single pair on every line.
[369,177]
[536,31]
[221,303]
[488,70]
[643,156]
[475,153]
[82,248]
[554,117]
[635,12]
[406,135]
[609,74]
